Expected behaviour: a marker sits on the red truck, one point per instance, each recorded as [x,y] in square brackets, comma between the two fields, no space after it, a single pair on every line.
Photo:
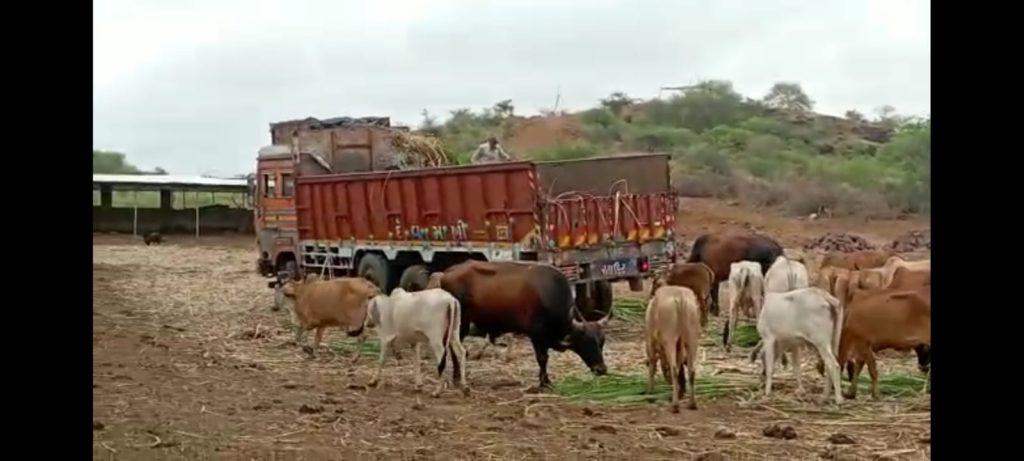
[342,207]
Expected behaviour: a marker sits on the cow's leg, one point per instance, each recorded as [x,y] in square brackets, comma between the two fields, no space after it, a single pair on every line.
[691,370]
[507,356]
[652,365]
[385,344]
[769,364]
[416,365]
[319,337]
[730,324]
[795,351]
[359,348]
[458,355]
[540,350]
[437,347]
[671,357]
[714,298]
[873,370]
[858,366]
[831,370]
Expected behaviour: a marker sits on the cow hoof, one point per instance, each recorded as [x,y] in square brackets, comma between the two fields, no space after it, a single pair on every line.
[372,383]
[849,396]
[692,406]
[675,408]
[307,349]
[465,391]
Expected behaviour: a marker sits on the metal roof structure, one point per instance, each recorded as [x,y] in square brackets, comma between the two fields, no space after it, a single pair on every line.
[170,181]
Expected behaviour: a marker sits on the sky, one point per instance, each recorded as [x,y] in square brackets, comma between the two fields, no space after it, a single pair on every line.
[192,86]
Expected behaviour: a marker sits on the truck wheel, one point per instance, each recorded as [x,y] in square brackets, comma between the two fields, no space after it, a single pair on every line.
[375,269]
[415,278]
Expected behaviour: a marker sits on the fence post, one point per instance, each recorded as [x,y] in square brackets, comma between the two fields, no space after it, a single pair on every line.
[197,221]
[135,220]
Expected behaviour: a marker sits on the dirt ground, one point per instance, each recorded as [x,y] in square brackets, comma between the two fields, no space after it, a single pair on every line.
[190,362]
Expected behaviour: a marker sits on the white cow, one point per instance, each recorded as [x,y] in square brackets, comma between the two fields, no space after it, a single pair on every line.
[808,316]
[746,291]
[785,275]
[430,316]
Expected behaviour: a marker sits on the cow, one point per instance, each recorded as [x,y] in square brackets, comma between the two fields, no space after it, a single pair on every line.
[857,260]
[432,316]
[785,275]
[532,299]
[894,262]
[435,282]
[153,238]
[746,291]
[885,319]
[906,279]
[673,337]
[695,276]
[719,251]
[807,316]
[319,304]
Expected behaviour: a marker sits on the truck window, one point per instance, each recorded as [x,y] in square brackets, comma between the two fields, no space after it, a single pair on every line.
[269,183]
[287,185]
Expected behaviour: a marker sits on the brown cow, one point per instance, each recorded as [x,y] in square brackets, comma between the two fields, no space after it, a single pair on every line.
[673,337]
[857,260]
[319,304]
[695,276]
[719,251]
[885,319]
[906,279]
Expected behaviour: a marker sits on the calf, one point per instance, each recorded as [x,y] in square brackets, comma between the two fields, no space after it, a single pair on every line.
[319,304]
[695,276]
[807,316]
[430,316]
[673,336]
[896,262]
[885,319]
[746,291]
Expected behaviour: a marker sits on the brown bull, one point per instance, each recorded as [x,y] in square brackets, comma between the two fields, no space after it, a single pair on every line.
[719,251]
[695,276]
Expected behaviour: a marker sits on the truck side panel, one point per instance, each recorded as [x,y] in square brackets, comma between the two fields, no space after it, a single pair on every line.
[479,203]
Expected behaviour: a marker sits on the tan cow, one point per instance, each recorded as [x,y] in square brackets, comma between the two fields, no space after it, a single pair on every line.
[894,262]
[906,279]
[857,260]
[885,319]
[319,304]
[673,337]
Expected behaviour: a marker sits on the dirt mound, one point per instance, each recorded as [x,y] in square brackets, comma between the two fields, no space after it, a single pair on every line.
[539,133]
[842,242]
[912,241]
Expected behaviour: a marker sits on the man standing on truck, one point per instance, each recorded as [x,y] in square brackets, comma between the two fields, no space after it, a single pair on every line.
[489,152]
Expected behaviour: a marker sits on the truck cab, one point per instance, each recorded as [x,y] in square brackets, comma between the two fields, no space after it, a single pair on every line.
[276,226]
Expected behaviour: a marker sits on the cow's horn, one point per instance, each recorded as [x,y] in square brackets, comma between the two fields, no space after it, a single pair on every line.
[604,321]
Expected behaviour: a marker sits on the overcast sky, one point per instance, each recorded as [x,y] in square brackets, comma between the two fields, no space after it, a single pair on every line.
[191,86]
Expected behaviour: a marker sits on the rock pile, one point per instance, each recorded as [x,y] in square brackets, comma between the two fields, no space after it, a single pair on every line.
[841,242]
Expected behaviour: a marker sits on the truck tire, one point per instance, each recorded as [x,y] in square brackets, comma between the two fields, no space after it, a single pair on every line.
[375,269]
[415,278]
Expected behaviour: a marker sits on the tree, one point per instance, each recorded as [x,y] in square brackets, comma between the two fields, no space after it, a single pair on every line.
[159,170]
[616,102]
[504,109]
[855,116]
[789,96]
[109,162]
[429,124]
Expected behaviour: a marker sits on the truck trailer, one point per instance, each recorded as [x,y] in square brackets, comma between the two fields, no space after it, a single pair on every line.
[340,208]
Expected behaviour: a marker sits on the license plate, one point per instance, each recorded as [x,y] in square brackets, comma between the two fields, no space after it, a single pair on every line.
[618,268]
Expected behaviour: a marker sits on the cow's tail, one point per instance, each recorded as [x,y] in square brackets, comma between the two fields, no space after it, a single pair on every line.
[791,276]
[837,314]
[734,297]
[452,323]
